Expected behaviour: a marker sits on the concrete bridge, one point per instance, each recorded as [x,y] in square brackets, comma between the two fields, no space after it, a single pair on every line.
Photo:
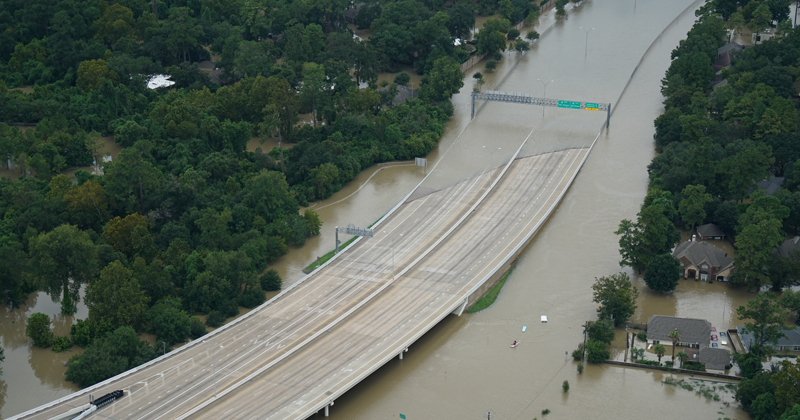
[296,354]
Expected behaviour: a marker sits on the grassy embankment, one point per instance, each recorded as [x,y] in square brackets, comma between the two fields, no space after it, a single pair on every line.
[491,296]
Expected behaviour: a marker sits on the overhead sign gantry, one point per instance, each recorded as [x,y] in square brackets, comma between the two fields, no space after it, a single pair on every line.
[526,99]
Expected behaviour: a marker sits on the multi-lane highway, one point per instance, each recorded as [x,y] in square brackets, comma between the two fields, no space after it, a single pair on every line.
[300,351]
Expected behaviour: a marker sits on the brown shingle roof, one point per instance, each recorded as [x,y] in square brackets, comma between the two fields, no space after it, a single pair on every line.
[699,252]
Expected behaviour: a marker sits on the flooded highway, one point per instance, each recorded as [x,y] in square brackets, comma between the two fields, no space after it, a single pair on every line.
[464,367]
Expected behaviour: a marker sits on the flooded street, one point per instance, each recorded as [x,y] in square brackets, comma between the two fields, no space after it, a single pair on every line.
[464,367]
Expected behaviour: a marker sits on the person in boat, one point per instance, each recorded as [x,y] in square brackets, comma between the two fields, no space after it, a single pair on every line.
[514,343]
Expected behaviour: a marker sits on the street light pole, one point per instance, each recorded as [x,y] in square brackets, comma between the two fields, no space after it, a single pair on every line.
[545,91]
[214,362]
[586,48]
[491,153]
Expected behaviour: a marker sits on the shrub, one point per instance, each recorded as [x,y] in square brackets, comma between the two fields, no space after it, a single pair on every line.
[565,386]
[580,368]
[546,411]
[196,328]
[491,65]
[694,366]
[596,352]
[252,298]
[513,34]
[641,336]
[577,354]
[648,362]
[271,280]
[38,330]
[61,343]
[170,323]
[215,319]
[497,55]
[229,308]
[402,79]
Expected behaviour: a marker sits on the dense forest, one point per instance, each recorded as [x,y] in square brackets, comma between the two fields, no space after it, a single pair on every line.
[721,133]
[715,145]
[185,220]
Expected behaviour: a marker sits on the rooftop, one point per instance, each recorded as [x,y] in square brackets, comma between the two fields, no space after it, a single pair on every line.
[715,359]
[702,251]
[710,229]
[691,330]
[792,338]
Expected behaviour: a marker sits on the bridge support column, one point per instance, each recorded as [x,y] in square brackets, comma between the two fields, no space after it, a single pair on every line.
[405,350]
[608,116]
[327,409]
[472,114]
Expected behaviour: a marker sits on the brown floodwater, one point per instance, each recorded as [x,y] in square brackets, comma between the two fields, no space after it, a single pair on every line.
[464,367]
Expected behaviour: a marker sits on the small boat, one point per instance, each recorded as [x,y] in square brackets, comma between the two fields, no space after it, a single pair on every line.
[524,328]
[514,345]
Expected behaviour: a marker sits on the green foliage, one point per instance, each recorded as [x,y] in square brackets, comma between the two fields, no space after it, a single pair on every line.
[61,343]
[215,319]
[271,280]
[116,297]
[580,368]
[662,273]
[169,323]
[648,362]
[63,259]
[402,79]
[109,356]
[596,351]
[491,65]
[252,298]
[601,330]
[765,318]
[565,386]
[546,411]
[616,296]
[577,354]
[196,328]
[642,336]
[38,330]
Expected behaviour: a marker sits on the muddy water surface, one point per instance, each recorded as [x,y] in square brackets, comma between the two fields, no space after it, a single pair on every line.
[464,366]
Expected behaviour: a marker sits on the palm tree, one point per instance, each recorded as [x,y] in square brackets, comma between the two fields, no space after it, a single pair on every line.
[683,357]
[660,350]
[675,337]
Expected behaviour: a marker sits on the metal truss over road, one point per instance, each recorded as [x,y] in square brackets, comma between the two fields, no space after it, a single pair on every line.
[525,99]
[296,354]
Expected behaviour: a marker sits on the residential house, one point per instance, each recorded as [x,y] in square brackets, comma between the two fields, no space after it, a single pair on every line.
[710,231]
[764,35]
[789,343]
[714,359]
[788,248]
[703,260]
[694,332]
[771,185]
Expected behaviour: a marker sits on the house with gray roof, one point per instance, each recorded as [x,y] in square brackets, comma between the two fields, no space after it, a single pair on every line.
[710,231]
[714,359]
[694,332]
[728,48]
[789,343]
[771,185]
[788,248]
[703,260]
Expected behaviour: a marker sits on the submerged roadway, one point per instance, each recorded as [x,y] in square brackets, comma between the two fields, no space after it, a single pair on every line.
[297,353]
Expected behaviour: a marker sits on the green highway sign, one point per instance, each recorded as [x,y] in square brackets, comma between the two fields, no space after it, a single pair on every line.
[402,416]
[591,107]
[569,104]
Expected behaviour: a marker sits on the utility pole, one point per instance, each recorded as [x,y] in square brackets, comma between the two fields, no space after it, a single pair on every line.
[545,91]
[586,48]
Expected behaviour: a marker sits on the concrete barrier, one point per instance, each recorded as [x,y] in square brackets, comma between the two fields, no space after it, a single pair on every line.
[673,370]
